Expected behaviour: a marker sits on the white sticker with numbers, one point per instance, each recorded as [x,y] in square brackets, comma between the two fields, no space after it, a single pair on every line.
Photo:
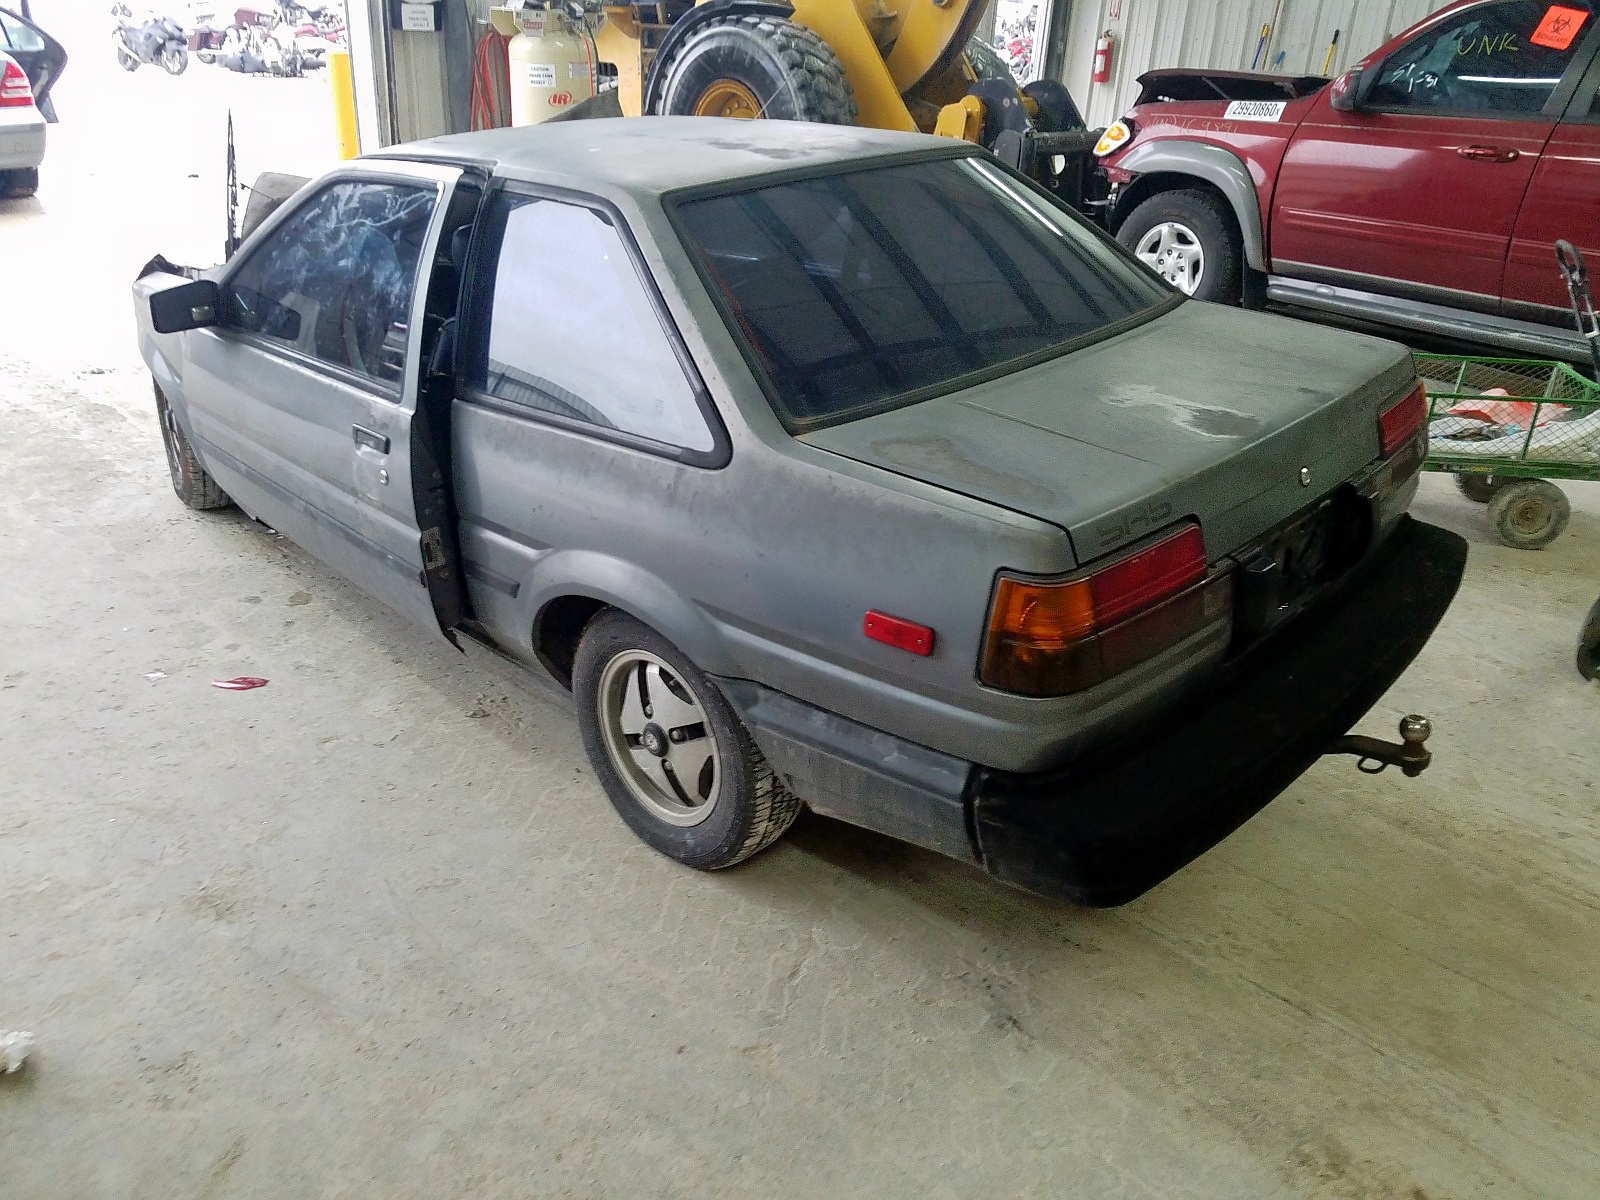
[1255,110]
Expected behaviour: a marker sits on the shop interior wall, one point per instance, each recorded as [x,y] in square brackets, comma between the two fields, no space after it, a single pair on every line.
[1221,34]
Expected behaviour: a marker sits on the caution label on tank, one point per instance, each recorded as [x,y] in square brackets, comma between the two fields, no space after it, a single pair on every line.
[1255,110]
[541,75]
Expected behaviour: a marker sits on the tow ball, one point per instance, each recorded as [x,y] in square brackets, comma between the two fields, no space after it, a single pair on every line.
[1410,754]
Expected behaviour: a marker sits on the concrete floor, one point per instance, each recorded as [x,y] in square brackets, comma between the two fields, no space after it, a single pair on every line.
[373,930]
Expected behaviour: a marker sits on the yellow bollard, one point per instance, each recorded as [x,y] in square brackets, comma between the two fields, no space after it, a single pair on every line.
[344,103]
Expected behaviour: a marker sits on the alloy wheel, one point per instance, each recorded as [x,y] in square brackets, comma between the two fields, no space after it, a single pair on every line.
[1173,252]
[658,737]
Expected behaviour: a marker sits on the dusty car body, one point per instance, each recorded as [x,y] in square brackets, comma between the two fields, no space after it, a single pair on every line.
[960,528]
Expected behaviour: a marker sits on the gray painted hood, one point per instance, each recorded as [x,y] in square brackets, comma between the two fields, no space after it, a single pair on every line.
[1206,411]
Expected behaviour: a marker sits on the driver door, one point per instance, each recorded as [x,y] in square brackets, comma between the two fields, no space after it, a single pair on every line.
[1417,193]
[304,398]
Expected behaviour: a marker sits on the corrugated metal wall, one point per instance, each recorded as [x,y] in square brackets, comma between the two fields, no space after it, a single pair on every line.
[1221,34]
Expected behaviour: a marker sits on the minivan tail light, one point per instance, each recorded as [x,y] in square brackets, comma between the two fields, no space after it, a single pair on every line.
[1399,423]
[1052,638]
[15,91]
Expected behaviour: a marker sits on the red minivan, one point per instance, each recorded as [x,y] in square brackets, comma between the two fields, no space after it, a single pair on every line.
[1423,189]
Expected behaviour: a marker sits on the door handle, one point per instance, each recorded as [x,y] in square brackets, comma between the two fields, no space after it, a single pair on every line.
[1499,154]
[366,437]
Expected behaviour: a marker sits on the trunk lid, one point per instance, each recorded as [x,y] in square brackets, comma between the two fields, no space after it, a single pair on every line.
[1206,411]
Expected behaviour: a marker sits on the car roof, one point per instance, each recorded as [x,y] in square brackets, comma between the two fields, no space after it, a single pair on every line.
[653,155]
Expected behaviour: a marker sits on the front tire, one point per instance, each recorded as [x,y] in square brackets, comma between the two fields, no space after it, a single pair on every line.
[757,66]
[1191,240]
[191,481]
[674,759]
[174,59]
[1589,645]
[1529,514]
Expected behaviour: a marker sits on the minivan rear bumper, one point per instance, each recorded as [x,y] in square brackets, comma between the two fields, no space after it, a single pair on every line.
[1116,823]
[1106,829]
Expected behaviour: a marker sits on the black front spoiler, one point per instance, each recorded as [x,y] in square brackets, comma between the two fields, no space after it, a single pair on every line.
[1108,828]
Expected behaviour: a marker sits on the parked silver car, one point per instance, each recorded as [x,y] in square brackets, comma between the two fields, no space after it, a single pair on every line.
[30,63]
[824,466]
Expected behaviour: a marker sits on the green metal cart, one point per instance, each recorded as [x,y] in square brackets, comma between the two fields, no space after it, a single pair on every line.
[1505,428]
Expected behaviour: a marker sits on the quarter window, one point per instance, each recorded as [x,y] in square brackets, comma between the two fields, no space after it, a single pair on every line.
[1497,59]
[335,280]
[572,330]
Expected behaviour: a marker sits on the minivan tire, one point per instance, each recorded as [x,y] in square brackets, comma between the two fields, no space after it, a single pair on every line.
[746,807]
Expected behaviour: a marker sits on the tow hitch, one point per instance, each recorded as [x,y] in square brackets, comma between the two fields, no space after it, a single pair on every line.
[1410,754]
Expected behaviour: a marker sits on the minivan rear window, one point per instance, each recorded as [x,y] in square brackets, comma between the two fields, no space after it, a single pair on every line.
[860,290]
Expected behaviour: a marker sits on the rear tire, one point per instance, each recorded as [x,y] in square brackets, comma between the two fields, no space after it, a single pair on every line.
[757,66]
[192,482]
[1191,240]
[126,60]
[19,185]
[674,759]
[1480,489]
[1529,514]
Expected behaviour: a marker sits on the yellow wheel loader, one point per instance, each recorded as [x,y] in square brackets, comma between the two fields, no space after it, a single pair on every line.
[887,64]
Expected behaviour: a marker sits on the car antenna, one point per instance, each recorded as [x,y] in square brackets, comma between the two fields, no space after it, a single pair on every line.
[232,243]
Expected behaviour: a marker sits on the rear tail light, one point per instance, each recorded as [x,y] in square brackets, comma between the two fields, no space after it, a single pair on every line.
[1049,639]
[14,88]
[1399,423]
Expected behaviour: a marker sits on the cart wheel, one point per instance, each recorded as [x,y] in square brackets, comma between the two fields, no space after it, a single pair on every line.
[1480,489]
[1529,514]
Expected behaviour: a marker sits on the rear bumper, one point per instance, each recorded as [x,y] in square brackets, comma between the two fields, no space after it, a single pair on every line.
[1109,828]
[1118,822]
[21,145]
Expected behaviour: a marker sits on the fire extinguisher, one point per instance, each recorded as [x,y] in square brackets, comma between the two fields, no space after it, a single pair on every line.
[1102,59]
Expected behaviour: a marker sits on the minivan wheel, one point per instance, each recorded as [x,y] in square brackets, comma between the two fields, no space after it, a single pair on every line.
[192,482]
[1190,239]
[674,759]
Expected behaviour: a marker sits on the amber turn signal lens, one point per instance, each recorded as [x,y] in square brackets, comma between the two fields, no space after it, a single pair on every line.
[1049,638]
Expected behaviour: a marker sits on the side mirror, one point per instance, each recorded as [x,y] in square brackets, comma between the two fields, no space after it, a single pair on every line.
[1347,92]
[187,306]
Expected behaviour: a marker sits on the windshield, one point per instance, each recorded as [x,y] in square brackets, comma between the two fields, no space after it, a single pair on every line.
[861,290]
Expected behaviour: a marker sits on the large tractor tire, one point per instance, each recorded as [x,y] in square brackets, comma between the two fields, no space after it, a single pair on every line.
[757,66]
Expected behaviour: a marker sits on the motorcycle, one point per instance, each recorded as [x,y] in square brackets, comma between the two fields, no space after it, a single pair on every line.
[149,39]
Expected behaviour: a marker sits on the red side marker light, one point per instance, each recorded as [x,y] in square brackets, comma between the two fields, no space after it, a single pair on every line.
[898,632]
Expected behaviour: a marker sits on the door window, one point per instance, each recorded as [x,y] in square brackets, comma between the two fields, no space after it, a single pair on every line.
[1500,59]
[573,331]
[335,280]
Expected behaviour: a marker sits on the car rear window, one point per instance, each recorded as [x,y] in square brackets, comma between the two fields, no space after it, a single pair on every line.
[861,290]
